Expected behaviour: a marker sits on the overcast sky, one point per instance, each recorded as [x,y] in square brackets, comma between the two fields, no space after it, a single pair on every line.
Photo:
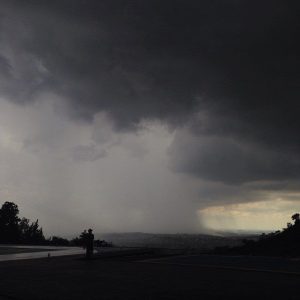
[154,116]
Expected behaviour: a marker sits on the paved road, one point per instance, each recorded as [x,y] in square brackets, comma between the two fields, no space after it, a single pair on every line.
[74,278]
[16,252]
[246,263]
[44,252]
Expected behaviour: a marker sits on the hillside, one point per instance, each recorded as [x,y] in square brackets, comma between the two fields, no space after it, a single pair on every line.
[285,242]
[199,242]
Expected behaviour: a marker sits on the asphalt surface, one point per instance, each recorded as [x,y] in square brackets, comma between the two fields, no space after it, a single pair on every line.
[33,252]
[246,263]
[13,250]
[138,277]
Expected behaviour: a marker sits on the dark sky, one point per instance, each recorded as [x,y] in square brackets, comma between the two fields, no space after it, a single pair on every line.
[201,95]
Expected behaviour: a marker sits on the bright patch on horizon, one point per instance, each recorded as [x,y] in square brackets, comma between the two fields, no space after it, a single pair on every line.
[262,215]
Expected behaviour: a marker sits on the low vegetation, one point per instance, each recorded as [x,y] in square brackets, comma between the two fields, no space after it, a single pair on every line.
[285,242]
[16,230]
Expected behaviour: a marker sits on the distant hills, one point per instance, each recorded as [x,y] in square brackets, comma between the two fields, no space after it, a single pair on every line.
[285,242]
[200,242]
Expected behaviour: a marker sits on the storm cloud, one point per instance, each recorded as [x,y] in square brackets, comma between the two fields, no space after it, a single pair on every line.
[155,59]
[221,76]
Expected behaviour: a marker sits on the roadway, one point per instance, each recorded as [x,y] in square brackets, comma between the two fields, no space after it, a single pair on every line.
[185,277]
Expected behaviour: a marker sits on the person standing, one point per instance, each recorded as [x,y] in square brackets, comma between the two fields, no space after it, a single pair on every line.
[89,244]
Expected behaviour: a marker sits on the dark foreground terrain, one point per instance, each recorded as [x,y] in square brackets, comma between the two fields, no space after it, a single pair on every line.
[193,277]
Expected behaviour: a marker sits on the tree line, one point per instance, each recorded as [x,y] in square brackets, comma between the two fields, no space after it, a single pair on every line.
[14,230]
[17,230]
[285,242]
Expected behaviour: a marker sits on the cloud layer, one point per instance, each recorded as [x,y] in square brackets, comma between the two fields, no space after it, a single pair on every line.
[221,75]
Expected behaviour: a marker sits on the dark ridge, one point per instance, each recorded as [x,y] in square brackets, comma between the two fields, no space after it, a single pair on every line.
[285,242]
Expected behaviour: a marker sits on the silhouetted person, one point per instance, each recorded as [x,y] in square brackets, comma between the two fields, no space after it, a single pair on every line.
[89,244]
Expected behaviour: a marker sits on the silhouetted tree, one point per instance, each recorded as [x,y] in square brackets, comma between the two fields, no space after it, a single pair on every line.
[58,241]
[16,230]
[76,242]
[296,218]
[24,229]
[102,243]
[279,243]
[81,240]
[36,233]
[9,221]
[31,233]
